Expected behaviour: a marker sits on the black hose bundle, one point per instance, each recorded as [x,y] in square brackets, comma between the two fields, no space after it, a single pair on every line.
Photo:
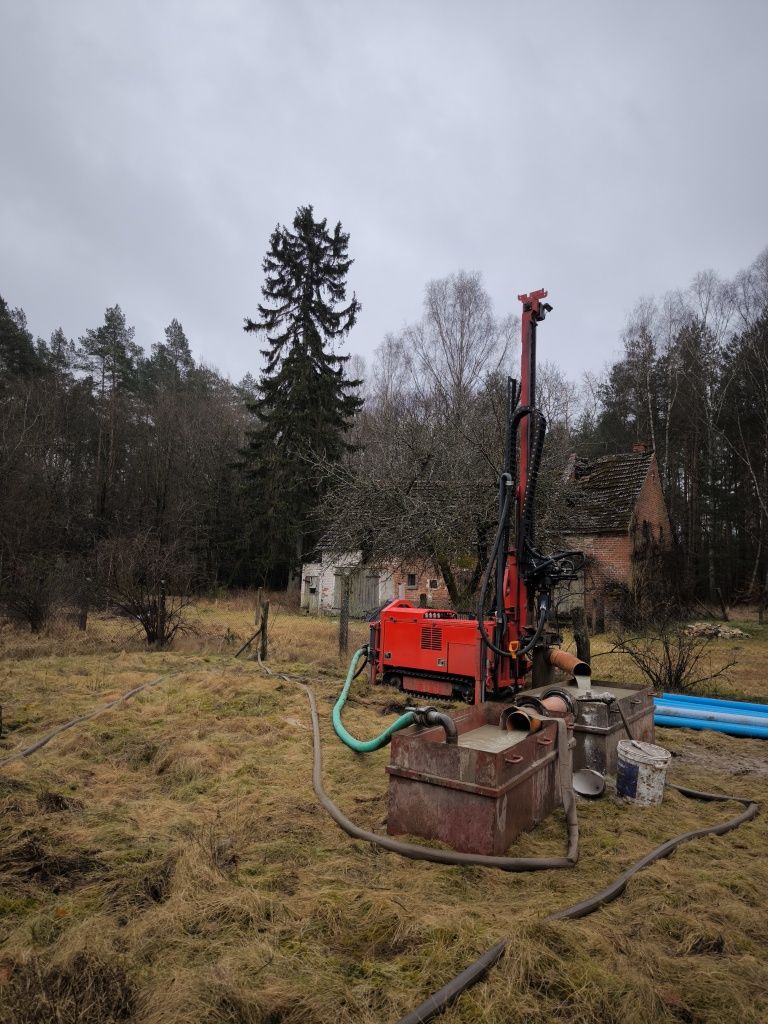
[527,523]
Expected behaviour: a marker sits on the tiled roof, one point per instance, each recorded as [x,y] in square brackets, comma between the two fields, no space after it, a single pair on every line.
[602,497]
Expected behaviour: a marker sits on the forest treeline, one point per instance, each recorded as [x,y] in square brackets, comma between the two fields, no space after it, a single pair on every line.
[111,455]
[119,458]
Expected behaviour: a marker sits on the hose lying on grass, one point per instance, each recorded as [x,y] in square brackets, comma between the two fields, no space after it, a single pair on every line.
[44,740]
[416,852]
[442,999]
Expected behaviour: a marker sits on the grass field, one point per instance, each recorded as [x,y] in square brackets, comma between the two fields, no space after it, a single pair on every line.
[168,862]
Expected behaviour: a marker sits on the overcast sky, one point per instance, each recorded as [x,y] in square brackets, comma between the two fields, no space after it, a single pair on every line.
[604,150]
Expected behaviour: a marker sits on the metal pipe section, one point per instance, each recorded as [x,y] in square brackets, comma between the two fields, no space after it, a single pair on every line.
[556,704]
[430,716]
[568,663]
[518,718]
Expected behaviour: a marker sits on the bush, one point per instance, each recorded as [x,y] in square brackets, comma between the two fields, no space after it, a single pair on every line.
[149,582]
[671,658]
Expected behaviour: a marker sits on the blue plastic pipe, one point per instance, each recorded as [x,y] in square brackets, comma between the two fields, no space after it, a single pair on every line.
[733,729]
[684,698]
[709,715]
[363,746]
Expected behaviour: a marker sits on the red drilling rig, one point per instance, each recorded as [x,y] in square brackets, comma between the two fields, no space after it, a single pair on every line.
[437,652]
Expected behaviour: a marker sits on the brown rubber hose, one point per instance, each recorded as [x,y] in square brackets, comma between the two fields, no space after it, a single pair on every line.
[44,740]
[441,1000]
[416,852]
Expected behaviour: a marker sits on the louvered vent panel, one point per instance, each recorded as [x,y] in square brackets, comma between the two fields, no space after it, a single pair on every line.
[431,638]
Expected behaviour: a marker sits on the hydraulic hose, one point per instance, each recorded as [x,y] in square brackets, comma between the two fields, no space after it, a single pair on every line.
[507,479]
[529,498]
[524,540]
[363,746]
[487,577]
[542,621]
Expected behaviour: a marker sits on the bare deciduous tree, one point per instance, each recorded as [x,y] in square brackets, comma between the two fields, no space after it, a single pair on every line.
[149,583]
[421,486]
[670,657]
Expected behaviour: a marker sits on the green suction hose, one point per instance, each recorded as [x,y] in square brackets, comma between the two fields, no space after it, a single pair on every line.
[363,746]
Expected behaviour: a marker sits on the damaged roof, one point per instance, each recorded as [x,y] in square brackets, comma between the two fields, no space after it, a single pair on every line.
[602,497]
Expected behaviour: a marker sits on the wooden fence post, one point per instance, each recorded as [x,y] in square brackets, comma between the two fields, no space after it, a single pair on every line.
[344,616]
[85,600]
[161,615]
[264,642]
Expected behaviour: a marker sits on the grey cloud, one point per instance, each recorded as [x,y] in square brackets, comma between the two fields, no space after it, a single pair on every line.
[604,150]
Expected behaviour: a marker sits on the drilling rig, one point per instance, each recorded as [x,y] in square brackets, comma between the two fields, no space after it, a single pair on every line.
[475,778]
[437,653]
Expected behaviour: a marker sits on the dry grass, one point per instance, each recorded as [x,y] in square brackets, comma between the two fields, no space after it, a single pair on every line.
[745,680]
[168,863]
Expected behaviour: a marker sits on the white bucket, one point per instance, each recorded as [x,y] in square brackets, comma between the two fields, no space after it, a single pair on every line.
[642,769]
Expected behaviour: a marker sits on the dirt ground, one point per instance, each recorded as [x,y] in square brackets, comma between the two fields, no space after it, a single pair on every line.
[167,862]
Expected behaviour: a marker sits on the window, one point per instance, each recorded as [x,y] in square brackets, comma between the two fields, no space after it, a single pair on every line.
[433,584]
[411,579]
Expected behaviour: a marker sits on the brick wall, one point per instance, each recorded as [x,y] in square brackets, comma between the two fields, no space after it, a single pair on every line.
[612,556]
[651,509]
[411,585]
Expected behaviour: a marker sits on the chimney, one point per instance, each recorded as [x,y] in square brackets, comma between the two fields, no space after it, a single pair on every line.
[641,448]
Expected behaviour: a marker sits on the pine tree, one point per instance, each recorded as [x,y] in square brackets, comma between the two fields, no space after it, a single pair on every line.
[171,363]
[109,356]
[305,403]
[18,357]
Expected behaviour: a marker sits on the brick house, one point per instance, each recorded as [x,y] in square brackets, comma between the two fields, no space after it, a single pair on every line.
[618,518]
[370,588]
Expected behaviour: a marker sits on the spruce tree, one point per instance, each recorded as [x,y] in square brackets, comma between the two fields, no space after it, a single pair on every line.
[304,404]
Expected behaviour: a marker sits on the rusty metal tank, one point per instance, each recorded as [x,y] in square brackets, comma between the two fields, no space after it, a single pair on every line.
[599,726]
[480,794]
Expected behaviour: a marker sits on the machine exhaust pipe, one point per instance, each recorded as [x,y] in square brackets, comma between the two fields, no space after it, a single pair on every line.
[568,663]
